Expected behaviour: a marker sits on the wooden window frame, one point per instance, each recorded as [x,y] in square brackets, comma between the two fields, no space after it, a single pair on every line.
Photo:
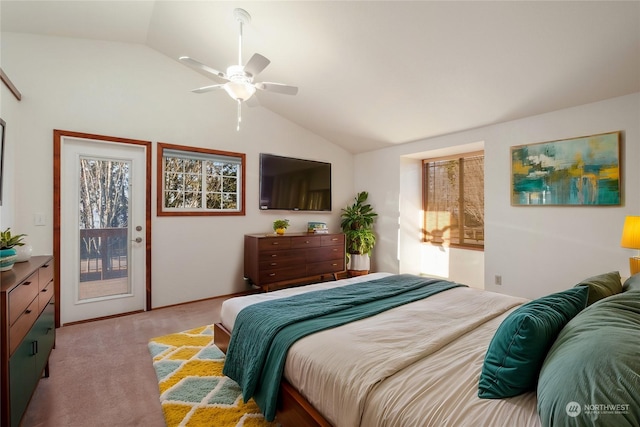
[458,157]
[162,211]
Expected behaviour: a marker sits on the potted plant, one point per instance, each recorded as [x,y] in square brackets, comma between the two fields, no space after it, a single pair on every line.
[357,225]
[8,255]
[280,225]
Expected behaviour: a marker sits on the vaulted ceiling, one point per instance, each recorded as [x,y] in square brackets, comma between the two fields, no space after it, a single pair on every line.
[377,73]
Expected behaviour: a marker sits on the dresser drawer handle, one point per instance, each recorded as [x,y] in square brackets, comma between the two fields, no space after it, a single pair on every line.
[27,311]
[307,241]
[274,263]
[335,250]
[274,255]
[335,239]
[334,264]
[44,290]
[275,243]
[26,283]
[272,274]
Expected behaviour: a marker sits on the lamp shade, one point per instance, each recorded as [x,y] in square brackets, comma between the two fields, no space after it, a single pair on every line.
[631,233]
[239,90]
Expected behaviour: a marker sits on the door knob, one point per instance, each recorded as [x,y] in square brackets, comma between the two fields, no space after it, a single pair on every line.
[137,240]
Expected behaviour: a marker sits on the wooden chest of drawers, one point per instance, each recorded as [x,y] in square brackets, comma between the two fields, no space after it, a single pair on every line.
[272,261]
[27,324]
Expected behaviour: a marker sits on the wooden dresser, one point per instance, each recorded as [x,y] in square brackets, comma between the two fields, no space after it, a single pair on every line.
[27,322]
[273,262]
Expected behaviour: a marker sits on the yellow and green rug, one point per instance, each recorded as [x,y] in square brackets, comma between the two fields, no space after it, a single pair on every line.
[193,391]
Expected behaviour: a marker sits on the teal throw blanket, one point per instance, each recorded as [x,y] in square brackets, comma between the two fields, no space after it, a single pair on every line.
[263,332]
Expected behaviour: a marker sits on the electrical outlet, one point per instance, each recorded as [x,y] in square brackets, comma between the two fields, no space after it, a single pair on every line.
[498,280]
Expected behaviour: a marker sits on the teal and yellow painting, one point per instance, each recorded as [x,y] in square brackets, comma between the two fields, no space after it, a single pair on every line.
[581,171]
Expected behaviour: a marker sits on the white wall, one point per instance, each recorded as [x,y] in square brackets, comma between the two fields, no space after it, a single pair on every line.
[131,91]
[536,250]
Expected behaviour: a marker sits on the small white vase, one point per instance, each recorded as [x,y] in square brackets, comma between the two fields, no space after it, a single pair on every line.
[23,253]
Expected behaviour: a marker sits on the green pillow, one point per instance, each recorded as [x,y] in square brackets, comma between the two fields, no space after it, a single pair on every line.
[602,286]
[632,283]
[591,375]
[519,346]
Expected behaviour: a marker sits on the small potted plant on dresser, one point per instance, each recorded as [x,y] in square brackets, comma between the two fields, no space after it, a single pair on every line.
[357,225]
[8,254]
[280,225]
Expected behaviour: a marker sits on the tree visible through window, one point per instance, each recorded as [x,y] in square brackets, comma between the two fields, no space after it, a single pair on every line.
[454,200]
[198,181]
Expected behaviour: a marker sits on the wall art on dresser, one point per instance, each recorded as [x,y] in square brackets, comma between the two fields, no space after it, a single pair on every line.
[582,171]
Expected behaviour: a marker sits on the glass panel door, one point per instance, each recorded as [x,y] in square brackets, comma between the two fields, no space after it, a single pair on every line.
[103,214]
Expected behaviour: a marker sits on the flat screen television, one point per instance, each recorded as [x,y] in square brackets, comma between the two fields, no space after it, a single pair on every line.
[294,184]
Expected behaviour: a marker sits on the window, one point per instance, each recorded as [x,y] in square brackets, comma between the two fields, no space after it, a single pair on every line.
[199,181]
[453,200]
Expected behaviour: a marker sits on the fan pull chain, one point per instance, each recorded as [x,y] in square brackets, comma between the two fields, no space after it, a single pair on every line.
[239,114]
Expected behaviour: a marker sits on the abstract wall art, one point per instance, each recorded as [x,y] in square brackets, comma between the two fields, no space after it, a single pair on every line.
[582,171]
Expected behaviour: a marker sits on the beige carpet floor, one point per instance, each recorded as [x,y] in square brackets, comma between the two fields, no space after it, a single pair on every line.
[101,372]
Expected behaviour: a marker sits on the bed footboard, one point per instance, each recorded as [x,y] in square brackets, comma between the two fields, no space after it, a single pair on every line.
[293,409]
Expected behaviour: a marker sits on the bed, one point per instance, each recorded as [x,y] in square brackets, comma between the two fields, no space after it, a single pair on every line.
[421,362]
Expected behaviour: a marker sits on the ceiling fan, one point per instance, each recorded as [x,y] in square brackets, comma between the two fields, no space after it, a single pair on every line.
[240,85]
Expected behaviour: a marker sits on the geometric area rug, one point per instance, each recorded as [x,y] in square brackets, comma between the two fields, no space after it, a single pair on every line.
[193,391]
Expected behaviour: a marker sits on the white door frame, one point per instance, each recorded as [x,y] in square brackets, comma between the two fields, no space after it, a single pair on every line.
[59,137]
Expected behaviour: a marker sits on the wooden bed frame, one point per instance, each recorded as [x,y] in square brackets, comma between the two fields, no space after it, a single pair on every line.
[293,409]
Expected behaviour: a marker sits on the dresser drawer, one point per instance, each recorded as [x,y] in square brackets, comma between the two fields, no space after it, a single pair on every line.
[272,243]
[325,254]
[271,255]
[271,276]
[325,267]
[45,275]
[44,296]
[283,262]
[305,242]
[21,296]
[22,325]
[332,240]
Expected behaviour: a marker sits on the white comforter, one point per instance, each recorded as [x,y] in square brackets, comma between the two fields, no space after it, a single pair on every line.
[415,365]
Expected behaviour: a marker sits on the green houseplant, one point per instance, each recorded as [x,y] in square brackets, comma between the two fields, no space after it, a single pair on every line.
[280,225]
[8,255]
[357,225]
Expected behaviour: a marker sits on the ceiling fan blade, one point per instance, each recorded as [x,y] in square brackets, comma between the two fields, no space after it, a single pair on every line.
[277,88]
[256,64]
[200,66]
[207,88]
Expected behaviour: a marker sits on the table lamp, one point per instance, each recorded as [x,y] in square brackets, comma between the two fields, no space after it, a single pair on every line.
[631,239]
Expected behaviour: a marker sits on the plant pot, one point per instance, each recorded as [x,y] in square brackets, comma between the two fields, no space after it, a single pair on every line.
[358,265]
[23,252]
[7,259]
[280,231]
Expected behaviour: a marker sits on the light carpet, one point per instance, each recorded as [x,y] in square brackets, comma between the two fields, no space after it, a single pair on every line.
[193,391]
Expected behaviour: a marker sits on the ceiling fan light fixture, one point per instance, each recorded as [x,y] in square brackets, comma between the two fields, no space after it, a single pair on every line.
[240,91]
[240,86]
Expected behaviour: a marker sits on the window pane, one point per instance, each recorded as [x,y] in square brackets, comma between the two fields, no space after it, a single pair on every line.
[229,185]
[449,215]
[214,201]
[230,170]
[229,201]
[192,182]
[214,183]
[192,166]
[192,200]
[442,201]
[473,200]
